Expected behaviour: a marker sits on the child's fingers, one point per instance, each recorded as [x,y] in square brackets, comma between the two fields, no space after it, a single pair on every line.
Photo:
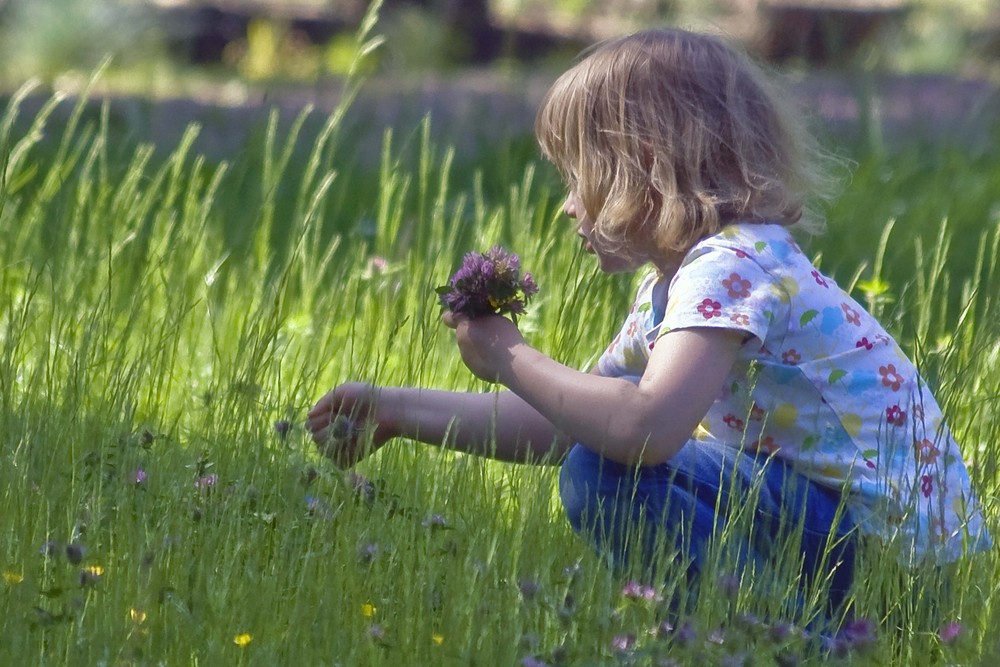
[324,404]
[452,320]
[318,423]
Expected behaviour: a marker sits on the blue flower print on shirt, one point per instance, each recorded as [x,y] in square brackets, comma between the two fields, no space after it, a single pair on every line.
[832,318]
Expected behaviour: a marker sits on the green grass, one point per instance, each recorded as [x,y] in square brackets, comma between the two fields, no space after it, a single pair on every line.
[159,313]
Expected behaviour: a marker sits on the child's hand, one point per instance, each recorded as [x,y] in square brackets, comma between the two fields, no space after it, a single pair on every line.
[485,343]
[342,419]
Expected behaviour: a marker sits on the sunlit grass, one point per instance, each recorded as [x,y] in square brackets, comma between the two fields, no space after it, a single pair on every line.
[161,314]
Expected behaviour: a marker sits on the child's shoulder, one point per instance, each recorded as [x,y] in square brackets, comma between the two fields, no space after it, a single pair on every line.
[766,243]
[755,236]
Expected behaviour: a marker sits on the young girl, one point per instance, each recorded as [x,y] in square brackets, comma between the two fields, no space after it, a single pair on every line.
[739,366]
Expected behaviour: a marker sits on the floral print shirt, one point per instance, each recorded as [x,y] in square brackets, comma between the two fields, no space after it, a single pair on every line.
[818,383]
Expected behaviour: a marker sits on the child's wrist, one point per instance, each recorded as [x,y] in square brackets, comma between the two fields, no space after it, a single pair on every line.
[388,413]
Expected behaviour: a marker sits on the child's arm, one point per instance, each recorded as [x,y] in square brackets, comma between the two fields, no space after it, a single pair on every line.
[499,425]
[646,423]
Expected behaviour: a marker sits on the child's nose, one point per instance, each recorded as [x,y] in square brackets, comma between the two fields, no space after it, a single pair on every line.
[569,208]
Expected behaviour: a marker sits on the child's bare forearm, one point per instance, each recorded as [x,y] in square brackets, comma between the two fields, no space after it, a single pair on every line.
[497,425]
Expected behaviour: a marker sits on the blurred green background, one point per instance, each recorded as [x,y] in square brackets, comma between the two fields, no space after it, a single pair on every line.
[309,40]
[866,69]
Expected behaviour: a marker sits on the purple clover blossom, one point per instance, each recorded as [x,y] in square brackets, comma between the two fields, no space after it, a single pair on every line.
[859,633]
[623,642]
[282,428]
[488,284]
[532,661]
[206,483]
[950,632]
[634,590]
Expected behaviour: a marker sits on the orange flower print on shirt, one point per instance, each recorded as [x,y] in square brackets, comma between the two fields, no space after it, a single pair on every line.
[740,320]
[733,422]
[632,328]
[852,315]
[756,413]
[767,445]
[890,377]
[709,309]
[926,452]
[738,287]
[790,357]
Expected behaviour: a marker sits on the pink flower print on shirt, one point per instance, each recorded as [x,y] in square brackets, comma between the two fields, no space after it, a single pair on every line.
[733,422]
[611,347]
[891,378]
[853,316]
[739,319]
[791,357]
[926,452]
[819,279]
[926,485]
[865,343]
[895,415]
[741,254]
[632,328]
[756,413]
[709,309]
[738,287]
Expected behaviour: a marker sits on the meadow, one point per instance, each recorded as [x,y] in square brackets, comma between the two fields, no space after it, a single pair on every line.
[167,321]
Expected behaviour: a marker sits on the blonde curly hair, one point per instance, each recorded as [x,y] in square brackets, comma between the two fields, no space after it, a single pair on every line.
[667,135]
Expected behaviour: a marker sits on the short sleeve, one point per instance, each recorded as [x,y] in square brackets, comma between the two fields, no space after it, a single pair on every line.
[724,287]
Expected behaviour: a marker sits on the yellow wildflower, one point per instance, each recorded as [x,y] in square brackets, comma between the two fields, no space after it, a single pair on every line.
[437,638]
[368,610]
[243,639]
[12,578]
[138,616]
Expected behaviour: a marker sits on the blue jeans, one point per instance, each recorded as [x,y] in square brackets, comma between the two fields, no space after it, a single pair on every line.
[685,504]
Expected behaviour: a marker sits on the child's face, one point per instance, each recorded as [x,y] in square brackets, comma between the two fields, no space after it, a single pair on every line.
[608,261]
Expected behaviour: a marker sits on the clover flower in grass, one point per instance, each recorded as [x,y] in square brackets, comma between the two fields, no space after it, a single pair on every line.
[488,284]
[623,642]
[634,590]
[376,633]
[90,576]
[950,632]
[206,482]
[859,633]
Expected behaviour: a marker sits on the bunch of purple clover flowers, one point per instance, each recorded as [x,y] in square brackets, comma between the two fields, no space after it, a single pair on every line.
[488,284]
